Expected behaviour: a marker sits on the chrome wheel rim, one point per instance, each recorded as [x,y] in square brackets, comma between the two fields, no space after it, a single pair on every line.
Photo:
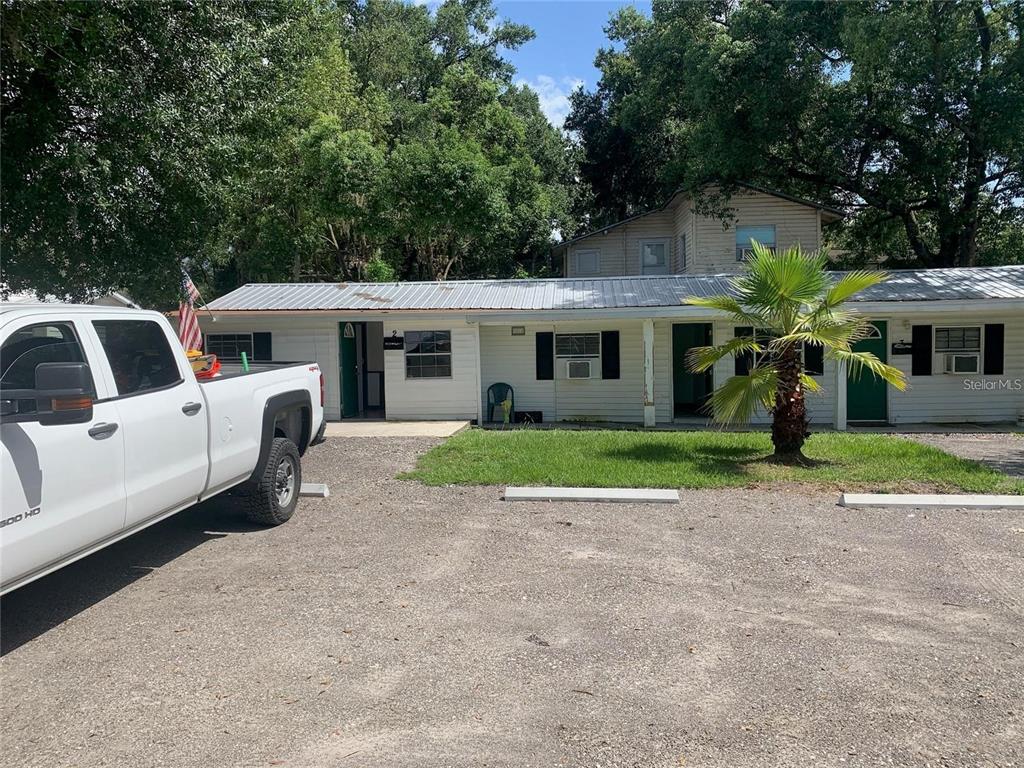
[284,483]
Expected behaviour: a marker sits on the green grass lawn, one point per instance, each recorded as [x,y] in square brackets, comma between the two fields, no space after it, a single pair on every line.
[606,458]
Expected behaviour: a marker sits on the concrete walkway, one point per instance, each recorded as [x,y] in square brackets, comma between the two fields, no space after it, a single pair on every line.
[375,428]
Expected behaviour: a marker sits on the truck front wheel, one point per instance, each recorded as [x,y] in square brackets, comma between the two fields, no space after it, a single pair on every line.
[273,500]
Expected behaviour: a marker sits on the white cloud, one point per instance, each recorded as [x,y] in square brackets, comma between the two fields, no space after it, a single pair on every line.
[554,95]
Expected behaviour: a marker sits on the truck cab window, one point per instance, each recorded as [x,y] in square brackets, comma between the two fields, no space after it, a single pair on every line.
[140,357]
[23,351]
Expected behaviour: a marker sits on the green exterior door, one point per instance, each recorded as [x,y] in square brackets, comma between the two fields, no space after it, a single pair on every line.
[690,390]
[866,395]
[349,373]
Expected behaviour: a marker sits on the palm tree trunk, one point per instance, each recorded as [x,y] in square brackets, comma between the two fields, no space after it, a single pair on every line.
[789,416]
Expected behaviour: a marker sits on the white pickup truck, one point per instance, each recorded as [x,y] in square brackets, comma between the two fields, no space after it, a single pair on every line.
[106,430]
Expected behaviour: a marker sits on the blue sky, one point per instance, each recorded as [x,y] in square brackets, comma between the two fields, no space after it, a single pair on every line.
[561,56]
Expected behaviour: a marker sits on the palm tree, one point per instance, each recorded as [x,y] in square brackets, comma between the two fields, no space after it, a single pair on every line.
[788,300]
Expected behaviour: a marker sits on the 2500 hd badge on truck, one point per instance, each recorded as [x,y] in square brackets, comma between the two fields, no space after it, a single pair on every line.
[106,430]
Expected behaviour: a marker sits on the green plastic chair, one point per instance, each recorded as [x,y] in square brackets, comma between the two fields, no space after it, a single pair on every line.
[496,395]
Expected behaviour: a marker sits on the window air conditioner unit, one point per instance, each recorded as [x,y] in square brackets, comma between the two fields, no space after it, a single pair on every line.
[963,362]
[578,369]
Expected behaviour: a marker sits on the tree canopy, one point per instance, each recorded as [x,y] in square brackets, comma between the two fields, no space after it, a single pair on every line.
[908,114]
[381,139]
[286,139]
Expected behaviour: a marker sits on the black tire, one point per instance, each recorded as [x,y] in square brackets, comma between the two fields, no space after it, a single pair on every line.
[275,496]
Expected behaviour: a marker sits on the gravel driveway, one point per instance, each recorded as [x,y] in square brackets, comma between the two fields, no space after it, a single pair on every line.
[398,625]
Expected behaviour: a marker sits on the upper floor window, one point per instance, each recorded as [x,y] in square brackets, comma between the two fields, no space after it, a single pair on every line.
[747,235]
[587,262]
[654,257]
[682,253]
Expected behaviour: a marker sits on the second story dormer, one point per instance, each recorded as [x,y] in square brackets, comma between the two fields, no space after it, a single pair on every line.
[676,239]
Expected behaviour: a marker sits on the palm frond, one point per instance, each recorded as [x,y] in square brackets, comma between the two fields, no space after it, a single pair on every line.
[851,284]
[700,359]
[728,305]
[858,362]
[827,334]
[824,314]
[809,383]
[782,281]
[738,399]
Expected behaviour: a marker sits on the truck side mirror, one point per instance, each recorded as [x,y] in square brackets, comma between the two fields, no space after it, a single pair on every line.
[64,393]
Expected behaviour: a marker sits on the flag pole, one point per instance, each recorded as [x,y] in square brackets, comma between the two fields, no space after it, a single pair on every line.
[213,317]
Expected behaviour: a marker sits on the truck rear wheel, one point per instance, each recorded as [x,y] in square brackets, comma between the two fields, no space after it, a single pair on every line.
[273,500]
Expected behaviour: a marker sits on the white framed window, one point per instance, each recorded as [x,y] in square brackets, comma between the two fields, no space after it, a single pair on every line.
[963,338]
[960,348]
[654,256]
[747,235]
[428,354]
[229,346]
[587,262]
[578,345]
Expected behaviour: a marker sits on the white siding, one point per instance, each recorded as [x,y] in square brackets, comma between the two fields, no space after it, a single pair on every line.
[600,399]
[512,360]
[664,407]
[684,221]
[946,398]
[711,243]
[449,398]
[294,339]
[620,247]
[715,247]
[939,398]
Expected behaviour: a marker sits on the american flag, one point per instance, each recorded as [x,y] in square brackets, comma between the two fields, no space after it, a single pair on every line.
[188,324]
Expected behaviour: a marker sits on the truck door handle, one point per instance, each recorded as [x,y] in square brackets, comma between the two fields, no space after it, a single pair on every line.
[102,431]
[191,409]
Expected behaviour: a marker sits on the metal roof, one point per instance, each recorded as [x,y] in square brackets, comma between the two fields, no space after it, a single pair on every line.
[598,293]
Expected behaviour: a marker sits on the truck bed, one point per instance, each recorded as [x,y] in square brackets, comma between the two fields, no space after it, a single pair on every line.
[233,369]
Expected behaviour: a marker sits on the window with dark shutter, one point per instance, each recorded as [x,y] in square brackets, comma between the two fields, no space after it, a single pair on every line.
[993,361]
[744,360]
[262,348]
[609,354]
[814,360]
[230,346]
[921,355]
[545,346]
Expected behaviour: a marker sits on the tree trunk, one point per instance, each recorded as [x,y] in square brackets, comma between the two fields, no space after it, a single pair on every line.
[789,416]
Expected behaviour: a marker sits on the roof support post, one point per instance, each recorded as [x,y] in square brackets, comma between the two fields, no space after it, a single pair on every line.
[840,404]
[649,372]
[479,364]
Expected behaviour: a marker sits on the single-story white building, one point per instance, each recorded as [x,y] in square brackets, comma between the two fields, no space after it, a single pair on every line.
[612,349]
